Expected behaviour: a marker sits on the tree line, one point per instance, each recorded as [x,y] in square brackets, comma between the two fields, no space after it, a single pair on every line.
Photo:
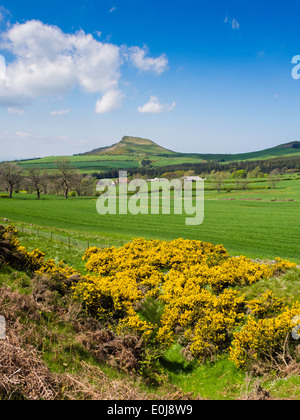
[37,180]
[283,165]
[65,179]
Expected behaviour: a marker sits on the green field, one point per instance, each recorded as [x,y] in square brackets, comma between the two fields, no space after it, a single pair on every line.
[254,222]
[130,151]
[86,164]
[90,164]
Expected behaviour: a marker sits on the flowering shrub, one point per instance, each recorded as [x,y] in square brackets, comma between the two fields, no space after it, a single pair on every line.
[181,290]
[264,339]
[52,268]
[266,305]
[193,281]
[135,324]
[206,320]
[109,296]
[281,266]
[34,261]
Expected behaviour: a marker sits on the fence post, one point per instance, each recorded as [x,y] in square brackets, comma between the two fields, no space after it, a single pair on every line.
[88,244]
[51,237]
[37,232]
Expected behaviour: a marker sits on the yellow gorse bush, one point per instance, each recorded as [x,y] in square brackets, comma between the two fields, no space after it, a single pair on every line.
[267,304]
[35,260]
[264,339]
[193,281]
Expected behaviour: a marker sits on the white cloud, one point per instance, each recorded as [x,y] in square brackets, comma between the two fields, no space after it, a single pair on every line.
[2,69]
[60,112]
[3,14]
[112,9]
[153,106]
[137,57]
[22,134]
[109,102]
[235,24]
[48,62]
[15,111]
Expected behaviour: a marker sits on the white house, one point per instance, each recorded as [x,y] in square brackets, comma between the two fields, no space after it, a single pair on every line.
[192,178]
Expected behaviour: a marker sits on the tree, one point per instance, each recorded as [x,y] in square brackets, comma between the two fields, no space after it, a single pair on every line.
[242,183]
[145,162]
[241,174]
[88,185]
[274,178]
[55,184]
[35,177]
[76,182]
[10,175]
[45,182]
[65,176]
[256,173]
[189,173]
[219,179]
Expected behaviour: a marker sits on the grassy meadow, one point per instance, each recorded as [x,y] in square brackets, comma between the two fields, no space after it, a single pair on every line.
[101,163]
[254,222]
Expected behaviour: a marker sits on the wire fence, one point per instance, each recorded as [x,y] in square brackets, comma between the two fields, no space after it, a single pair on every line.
[48,234]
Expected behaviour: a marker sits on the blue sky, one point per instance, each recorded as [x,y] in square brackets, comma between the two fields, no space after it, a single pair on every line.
[194,76]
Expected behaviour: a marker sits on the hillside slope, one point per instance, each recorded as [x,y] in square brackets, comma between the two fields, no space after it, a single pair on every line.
[140,146]
[131,151]
[131,145]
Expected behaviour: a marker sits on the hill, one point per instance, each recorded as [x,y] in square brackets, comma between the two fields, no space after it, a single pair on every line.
[131,145]
[282,150]
[136,152]
[140,146]
[136,146]
[293,145]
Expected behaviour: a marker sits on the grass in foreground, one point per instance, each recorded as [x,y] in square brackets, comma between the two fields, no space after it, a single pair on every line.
[216,380]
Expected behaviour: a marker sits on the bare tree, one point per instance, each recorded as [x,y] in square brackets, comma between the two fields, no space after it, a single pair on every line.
[10,175]
[244,183]
[45,182]
[55,184]
[219,179]
[35,177]
[77,183]
[65,176]
[274,178]
[241,183]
